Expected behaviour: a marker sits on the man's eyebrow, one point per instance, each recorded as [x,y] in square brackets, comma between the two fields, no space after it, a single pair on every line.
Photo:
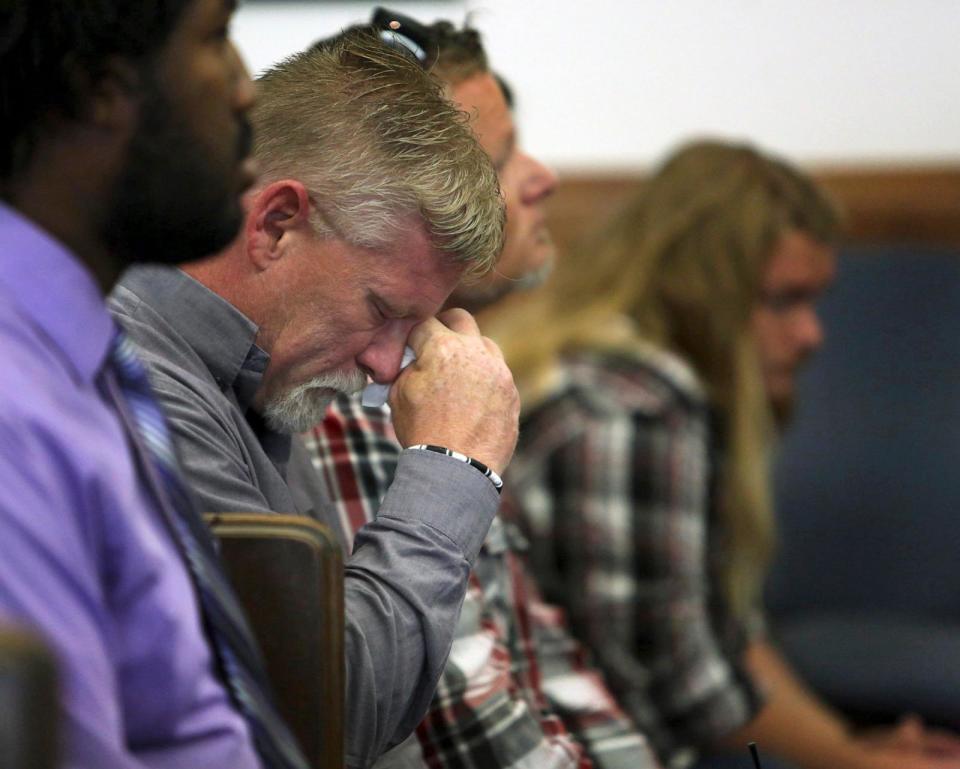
[387,307]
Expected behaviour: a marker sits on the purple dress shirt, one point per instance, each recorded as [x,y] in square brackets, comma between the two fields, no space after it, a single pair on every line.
[85,558]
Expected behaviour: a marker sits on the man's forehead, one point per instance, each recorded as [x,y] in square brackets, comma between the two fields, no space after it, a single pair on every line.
[406,292]
[799,258]
[411,271]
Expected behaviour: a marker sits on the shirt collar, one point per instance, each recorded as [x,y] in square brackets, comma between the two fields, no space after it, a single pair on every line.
[54,289]
[221,335]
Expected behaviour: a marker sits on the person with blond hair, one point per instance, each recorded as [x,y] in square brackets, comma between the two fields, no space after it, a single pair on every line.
[662,367]
[374,200]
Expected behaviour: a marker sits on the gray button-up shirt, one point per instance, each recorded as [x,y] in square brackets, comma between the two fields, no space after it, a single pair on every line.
[407,576]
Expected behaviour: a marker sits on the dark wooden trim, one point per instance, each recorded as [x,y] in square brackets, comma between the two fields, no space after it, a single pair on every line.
[882,205]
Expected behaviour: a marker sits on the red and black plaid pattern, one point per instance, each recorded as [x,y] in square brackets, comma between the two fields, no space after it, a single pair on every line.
[492,707]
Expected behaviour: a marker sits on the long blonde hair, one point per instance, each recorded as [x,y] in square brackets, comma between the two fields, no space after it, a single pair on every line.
[680,268]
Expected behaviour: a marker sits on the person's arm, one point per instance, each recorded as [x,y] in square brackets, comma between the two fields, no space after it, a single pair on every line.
[797,726]
[409,568]
[479,707]
[404,585]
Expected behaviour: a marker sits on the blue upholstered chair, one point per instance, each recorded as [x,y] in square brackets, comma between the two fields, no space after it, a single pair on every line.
[865,592]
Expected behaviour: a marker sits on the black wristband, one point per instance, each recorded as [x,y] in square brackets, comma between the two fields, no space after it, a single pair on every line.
[495,479]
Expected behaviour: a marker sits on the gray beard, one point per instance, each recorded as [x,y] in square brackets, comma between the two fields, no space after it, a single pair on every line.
[304,406]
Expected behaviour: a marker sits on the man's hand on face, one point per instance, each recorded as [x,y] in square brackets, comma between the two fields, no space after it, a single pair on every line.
[458,393]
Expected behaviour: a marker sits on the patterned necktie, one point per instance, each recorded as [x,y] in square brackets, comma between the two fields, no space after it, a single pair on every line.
[236,650]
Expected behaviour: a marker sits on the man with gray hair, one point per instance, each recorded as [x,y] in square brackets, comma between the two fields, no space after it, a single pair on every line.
[516,691]
[374,201]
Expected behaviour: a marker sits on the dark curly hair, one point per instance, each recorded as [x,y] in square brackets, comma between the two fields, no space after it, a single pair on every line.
[52,51]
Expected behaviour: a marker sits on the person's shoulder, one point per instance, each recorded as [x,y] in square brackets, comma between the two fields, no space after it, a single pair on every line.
[176,371]
[35,374]
[193,362]
[156,340]
[54,426]
[646,381]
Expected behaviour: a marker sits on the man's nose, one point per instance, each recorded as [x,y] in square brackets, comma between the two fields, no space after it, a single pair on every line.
[541,181]
[381,359]
[809,331]
[245,89]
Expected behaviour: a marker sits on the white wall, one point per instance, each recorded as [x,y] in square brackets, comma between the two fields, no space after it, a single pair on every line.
[608,84]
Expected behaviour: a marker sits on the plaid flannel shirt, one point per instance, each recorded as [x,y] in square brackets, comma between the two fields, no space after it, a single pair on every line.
[513,668]
[612,479]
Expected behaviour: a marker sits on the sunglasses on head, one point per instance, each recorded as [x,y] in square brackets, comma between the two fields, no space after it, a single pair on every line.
[405,34]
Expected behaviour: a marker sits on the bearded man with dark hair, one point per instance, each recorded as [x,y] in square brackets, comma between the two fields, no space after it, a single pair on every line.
[123,138]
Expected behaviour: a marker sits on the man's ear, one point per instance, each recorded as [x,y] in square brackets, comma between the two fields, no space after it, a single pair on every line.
[277,213]
[112,100]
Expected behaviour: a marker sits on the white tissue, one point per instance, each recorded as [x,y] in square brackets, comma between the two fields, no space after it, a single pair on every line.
[375,395]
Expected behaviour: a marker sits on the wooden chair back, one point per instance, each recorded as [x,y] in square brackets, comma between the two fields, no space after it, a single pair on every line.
[29,720]
[288,572]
